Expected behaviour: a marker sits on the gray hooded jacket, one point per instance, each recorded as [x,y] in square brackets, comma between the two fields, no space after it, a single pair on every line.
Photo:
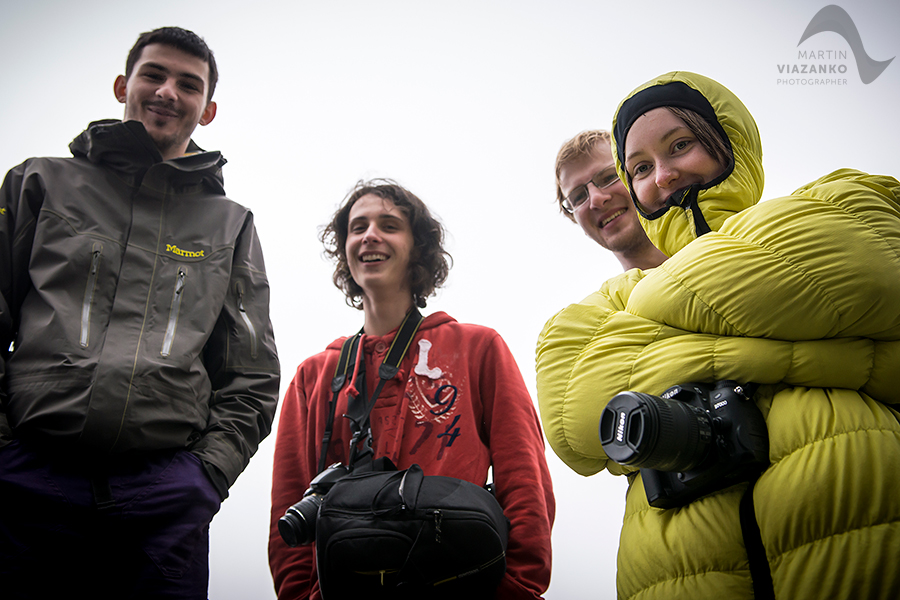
[135,305]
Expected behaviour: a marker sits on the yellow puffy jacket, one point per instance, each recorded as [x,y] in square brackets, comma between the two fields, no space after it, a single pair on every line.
[800,294]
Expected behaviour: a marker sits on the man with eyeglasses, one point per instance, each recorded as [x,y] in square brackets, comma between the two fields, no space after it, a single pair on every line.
[590,193]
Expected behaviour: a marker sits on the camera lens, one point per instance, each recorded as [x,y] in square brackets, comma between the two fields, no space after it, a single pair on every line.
[646,431]
[298,525]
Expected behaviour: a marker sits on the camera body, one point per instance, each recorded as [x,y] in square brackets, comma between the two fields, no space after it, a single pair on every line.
[298,525]
[692,440]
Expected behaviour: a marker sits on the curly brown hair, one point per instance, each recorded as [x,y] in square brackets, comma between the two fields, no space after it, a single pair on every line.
[429,263]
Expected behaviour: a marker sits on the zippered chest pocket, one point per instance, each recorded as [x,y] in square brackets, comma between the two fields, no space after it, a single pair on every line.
[245,318]
[89,291]
[174,310]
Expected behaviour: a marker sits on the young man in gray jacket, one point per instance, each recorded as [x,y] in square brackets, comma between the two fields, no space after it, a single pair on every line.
[139,371]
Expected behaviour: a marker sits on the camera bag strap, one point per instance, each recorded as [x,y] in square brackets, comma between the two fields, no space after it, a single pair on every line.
[347,357]
[360,407]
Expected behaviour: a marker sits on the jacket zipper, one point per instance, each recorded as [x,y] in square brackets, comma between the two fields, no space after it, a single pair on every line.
[246,318]
[380,573]
[477,569]
[89,289]
[173,312]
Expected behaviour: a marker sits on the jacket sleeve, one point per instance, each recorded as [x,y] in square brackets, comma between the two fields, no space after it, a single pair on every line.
[821,263]
[521,477]
[562,360]
[591,351]
[243,368]
[802,290]
[293,569]
[20,201]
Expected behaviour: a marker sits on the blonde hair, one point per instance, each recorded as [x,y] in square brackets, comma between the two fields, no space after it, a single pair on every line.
[583,145]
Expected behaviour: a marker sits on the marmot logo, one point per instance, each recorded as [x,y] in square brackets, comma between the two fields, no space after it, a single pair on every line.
[186,253]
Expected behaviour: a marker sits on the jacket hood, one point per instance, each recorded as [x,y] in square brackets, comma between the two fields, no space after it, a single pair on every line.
[739,187]
[127,147]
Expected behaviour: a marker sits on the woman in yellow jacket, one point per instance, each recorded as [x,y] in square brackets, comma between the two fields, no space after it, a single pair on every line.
[799,294]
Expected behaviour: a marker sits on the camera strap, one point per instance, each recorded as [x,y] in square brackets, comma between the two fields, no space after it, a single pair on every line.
[763,588]
[347,357]
[361,406]
[760,573]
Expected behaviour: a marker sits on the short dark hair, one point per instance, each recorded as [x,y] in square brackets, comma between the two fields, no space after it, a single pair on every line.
[429,263]
[182,39]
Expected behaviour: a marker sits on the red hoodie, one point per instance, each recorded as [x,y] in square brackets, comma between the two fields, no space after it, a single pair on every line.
[457,407]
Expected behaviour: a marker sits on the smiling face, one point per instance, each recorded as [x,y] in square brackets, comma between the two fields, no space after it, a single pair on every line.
[379,246]
[662,156]
[607,216]
[167,92]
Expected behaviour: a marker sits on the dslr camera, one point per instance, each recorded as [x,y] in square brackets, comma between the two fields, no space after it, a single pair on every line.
[692,440]
[298,525]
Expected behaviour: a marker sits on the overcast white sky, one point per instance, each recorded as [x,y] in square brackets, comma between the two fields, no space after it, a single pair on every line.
[466,103]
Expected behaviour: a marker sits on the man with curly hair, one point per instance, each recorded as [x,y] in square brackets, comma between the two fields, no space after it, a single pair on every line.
[458,405]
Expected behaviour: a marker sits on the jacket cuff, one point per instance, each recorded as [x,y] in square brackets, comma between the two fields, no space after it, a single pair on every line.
[218,479]
[6,433]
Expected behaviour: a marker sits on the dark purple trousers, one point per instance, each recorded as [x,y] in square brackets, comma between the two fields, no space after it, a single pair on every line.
[134,526]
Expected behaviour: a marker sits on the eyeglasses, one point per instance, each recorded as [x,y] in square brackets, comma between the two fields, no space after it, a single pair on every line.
[579,195]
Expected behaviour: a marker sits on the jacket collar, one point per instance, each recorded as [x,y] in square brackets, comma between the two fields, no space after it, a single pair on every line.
[128,148]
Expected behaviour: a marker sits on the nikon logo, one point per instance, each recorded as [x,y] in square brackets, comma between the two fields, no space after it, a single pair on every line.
[620,430]
[186,253]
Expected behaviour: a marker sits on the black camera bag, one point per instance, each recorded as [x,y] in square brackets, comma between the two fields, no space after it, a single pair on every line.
[402,534]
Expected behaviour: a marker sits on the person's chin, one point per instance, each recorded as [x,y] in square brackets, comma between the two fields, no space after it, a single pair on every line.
[164,141]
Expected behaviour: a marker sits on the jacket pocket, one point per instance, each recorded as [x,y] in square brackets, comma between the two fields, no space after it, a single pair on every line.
[174,309]
[89,290]
[251,330]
